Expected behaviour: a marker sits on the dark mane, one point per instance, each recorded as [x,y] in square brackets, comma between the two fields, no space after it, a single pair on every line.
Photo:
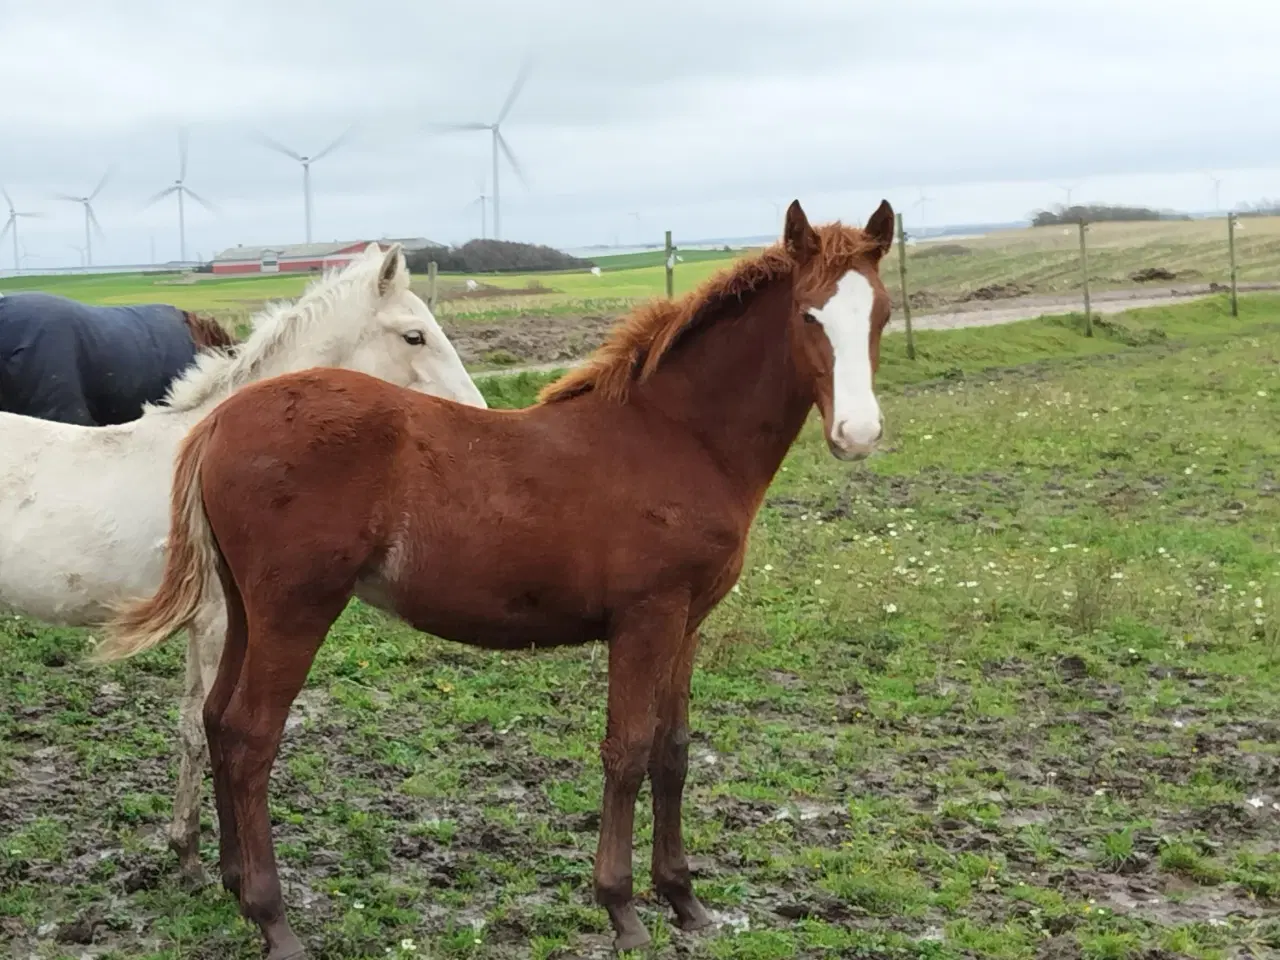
[640,341]
[207,332]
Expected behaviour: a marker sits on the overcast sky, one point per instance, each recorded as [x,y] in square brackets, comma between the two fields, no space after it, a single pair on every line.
[702,116]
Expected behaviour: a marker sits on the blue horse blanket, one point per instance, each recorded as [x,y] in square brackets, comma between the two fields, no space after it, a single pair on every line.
[65,360]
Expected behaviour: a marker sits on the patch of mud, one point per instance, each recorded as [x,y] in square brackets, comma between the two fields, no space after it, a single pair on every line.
[528,340]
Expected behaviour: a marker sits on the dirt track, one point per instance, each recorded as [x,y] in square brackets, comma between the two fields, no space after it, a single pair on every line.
[559,342]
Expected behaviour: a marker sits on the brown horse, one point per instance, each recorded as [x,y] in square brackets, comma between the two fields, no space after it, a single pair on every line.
[207,333]
[616,509]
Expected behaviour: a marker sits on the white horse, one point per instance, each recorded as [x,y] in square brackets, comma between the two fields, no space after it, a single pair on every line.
[84,511]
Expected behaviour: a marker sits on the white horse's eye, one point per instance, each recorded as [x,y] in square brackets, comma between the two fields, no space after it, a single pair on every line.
[415,338]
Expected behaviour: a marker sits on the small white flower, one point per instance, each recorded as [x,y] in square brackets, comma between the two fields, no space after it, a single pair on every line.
[358,905]
[817,583]
[768,567]
[408,945]
[928,436]
[1256,802]
[1257,602]
[1262,393]
[890,608]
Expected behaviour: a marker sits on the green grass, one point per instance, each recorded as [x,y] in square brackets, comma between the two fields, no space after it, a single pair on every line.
[1007,690]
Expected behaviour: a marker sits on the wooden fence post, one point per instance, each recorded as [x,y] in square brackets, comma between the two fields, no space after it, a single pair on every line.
[431,286]
[1084,276]
[906,295]
[1231,249]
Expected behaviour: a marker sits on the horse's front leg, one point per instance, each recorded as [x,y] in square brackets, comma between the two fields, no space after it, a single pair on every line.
[640,653]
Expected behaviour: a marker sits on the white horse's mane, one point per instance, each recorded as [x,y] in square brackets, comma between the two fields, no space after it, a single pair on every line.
[320,318]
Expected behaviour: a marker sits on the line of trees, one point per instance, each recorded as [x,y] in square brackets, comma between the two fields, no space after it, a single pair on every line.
[494,256]
[1100,213]
[1261,208]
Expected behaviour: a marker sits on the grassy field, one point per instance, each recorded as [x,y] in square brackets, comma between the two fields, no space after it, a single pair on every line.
[1046,260]
[1042,261]
[1008,690]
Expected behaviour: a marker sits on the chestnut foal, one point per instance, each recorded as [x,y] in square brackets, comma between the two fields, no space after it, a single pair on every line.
[616,509]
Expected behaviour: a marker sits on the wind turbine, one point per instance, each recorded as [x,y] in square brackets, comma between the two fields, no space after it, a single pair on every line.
[306,162]
[182,191]
[89,218]
[481,201]
[920,203]
[12,224]
[1217,188]
[499,142]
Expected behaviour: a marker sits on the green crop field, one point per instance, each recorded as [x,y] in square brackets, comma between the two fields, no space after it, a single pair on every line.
[1009,689]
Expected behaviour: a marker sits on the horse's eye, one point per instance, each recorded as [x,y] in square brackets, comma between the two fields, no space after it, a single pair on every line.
[810,318]
[415,338]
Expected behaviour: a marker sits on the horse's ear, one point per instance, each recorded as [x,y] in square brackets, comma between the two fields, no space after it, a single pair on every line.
[800,239]
[393,275]
[374,248]
[880,227]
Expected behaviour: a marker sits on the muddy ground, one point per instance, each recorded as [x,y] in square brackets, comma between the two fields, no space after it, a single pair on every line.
[544,342]
[1010,690]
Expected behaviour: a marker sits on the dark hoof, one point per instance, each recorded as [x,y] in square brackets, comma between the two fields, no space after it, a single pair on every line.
[631,940]
[194,876]
[630,932]
[231,883]
[691,915]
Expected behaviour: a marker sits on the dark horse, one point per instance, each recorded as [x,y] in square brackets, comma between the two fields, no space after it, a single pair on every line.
[617,508]
[94,366]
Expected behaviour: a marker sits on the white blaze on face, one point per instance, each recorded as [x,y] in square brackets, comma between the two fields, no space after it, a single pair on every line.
[856,424]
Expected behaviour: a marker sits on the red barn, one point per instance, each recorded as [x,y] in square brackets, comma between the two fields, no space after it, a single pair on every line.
[301,257]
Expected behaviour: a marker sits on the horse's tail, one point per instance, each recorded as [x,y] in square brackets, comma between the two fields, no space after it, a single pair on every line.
[191,563]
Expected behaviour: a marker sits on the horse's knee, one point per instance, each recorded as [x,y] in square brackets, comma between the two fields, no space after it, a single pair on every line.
[671,754]
[626,761]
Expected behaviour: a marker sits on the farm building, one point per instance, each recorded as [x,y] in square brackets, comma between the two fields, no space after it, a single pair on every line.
[302,257]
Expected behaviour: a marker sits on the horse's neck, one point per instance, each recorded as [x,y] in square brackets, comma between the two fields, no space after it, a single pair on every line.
[737,387]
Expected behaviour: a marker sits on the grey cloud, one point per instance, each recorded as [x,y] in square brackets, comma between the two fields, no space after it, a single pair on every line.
[698,114]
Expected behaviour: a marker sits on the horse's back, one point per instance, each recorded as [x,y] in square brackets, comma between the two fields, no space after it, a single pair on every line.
[90,365]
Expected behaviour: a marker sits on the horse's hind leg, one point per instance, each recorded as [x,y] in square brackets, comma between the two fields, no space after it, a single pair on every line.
[184,829]
[275,668]
[215,705]
[204,649]
[668,766]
